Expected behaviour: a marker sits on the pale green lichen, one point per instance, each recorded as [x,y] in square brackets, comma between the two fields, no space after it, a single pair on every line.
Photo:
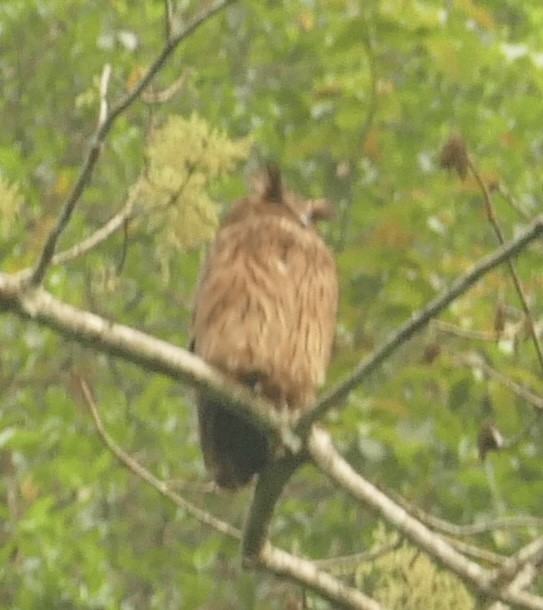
[184,156]
[408,579]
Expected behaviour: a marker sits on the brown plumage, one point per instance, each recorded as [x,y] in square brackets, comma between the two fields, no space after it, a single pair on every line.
[265,313]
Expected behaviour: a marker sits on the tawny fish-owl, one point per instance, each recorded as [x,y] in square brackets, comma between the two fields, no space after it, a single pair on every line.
[264,314]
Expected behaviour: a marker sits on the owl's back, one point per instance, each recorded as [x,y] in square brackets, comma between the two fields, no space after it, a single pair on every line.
[265,313]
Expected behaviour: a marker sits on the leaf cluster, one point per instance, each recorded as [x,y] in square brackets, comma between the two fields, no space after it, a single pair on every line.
[185,156]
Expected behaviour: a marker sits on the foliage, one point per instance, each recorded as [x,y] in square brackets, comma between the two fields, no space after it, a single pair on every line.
[406,579]
[183,157]
[355,100]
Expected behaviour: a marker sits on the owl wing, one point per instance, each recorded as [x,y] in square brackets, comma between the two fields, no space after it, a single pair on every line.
[266,305]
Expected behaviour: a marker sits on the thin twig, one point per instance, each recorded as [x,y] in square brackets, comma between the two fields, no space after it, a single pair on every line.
[470,529]
[104,128]
[476,361]
[119,220]
[419,321]
[135,467]
[104,83]
[464,333]
[491,214]
[475,552]
[168,18]
[115,223]
[508,196]
[370,108]
[348,564]
[124,251]
[165,95]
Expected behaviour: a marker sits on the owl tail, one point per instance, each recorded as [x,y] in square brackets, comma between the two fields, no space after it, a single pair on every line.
[234,450]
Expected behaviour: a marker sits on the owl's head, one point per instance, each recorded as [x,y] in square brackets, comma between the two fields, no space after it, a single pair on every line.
[268,190]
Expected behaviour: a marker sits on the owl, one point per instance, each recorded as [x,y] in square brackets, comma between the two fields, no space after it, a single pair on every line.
[264,314]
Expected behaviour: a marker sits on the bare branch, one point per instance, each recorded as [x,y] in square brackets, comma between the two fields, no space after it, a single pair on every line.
[99,136]
[531,554]
[142,349]
[419,321]
[350,563]
[491,214]
[475,361]
[330,462]
[269,486]
[168,18]
[334,466]
[135,467]
[521,581]
[162,357]
[304,572]
[104,83]
[274,560]
[161,97]
[103,233]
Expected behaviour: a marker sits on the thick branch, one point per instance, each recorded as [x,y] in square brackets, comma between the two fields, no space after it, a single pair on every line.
[532,554]
[272,559]
[142,349]
[304,572]
[420,320]
[268,488]
[104,127]
[340,472]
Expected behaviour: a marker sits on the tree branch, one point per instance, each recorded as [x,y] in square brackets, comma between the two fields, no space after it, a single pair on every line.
[532,554]
[331,463]
[419,321]
[491,214]
[104,84]
[476,361]
[102,234]
[348,564]
[269,487]
[521,581]
[304,572]
[104,126]
[135,467]
[271,559]
[144,350]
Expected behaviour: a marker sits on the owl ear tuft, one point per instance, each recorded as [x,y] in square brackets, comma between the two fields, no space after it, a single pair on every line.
[273,188]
